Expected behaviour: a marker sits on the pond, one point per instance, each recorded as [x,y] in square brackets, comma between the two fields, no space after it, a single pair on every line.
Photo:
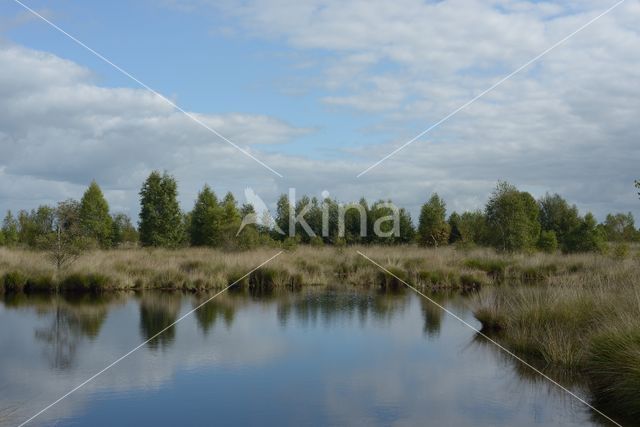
[313,357]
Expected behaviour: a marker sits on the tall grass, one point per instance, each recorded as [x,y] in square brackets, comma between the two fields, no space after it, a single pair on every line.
[583,317]
[198,269]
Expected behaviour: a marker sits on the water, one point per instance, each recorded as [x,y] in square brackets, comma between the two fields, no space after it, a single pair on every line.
[316,357]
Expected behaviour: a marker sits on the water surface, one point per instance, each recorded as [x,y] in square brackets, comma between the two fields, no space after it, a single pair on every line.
[316,357]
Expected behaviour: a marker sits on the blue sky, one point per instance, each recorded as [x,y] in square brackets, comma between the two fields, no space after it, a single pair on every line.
[320,90]
[187,56]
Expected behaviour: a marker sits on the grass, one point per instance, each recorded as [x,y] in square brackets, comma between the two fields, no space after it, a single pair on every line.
[580,316]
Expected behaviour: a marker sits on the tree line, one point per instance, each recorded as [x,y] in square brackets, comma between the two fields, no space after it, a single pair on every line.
[512,220]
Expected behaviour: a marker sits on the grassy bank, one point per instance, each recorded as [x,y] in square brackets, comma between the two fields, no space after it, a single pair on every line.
[202,269]
[194,269]
[586,321]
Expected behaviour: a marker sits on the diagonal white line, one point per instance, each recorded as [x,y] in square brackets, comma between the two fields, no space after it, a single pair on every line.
[476,330]
[133,350]
[164,98]
[489,89]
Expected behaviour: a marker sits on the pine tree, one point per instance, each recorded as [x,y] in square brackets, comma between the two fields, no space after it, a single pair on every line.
[160,216]
[95,221]
[433,229]
[206,219]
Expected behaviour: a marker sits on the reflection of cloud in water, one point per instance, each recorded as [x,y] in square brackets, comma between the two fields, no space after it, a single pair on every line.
[28,384]
[354,357]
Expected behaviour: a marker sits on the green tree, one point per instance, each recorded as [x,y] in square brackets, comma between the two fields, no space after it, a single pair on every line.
[433,229]
[65,242]
[548,241]
[35,224]
[472,227]
[620,227]
[123,232]
[558,216]
[206,219]
[160,216]
[230,221]
[10,230]
[587,237]
[95,221]
[314,218]
[454,226]
[407,230]
[385,215]
[512,218]
[283,208]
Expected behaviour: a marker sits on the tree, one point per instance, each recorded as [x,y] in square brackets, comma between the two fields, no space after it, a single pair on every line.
[10,230]
[407,231]
[472,227]
[160,216]
[556,215]
[205,219]
[35,224]
[548,241]
[620,227]
[66,241]
[512,218]
[283,208]
[230,221]
[122,231]
[95,221]
[587,237]
[454,226]
[433,229]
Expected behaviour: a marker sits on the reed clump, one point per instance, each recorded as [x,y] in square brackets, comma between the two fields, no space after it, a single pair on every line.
[579,319]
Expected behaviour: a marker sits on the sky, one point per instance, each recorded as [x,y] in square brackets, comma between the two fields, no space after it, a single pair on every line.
[319,91]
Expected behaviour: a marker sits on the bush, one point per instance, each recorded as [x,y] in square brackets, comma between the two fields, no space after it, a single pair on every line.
[470,281]
[548,242]
[393,281]
[621,251]
[14,281]
[494,268]
[613,363]
[316,241]
[289,244]
[40,283]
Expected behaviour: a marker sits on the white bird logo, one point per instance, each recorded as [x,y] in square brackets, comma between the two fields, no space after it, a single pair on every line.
[260,210]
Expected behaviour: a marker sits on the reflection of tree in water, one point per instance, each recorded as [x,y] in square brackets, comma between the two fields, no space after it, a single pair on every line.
[158,310]
[208,314]
[432,314]
[331,306]
[72,320]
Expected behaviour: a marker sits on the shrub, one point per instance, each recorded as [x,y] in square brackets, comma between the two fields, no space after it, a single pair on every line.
[470,281]
[289,244]
[40,283]
[316,241]
[393,281]
[494,268]
[14,281]
[548,242]
[621,251]
[613,362]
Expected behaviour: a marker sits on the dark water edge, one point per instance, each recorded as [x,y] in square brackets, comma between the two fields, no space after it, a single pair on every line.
[318,356]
